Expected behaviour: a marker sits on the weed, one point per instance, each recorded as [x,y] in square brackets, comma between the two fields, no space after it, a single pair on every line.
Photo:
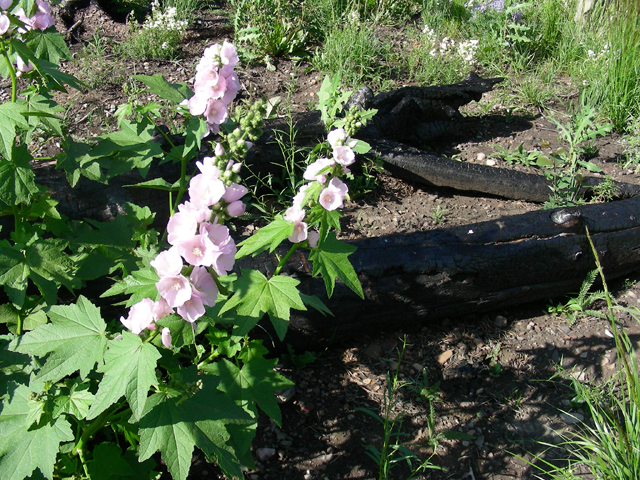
[518,156]
[563,166]
[160,36]
[495,368]
[632,146]
[299,361]
[609,444]
[96,69]
[393,450]
[438,215]
[580,306]
[604,191]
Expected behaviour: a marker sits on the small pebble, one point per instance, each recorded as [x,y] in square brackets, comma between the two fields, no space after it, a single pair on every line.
[491,162]
[265,454]
[481,156]
[500,321]
[572,418]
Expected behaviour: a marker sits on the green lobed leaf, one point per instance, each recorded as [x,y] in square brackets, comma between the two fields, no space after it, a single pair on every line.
[174,92]
[268,237]
[158,184]
[330,260]
[75,341]
[173,426]
[181,331]
[256,295]
[140,284]
[23,449]
[49,45]
[254,382]
[57,79]
[11,116]
[129,369]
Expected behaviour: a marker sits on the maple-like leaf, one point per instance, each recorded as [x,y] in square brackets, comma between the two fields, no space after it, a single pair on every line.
[75,340]
[256,295]
[254,382]
[129,369]
[76,402]
[268,237]
[173,426]
[23,449]
[330,260]
[140,284]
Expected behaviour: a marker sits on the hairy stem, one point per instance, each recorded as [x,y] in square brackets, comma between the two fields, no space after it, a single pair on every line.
[12,73]
[284,259]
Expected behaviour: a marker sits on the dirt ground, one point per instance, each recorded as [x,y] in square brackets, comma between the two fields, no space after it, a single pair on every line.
[501,413]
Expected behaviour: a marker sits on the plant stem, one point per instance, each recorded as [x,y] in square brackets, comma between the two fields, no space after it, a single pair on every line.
[19,327]
[12,73]
[284,259]
[96,425]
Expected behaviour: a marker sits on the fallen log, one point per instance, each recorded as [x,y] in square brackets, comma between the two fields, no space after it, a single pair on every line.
[419,277]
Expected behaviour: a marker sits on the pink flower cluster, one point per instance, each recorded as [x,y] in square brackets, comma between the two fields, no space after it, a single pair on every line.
[215,85]
[41,20]
[324,171]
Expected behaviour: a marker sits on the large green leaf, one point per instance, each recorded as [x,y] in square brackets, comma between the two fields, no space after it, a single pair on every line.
[17,180]
[330,260]
[140,284]
[11,116]
[174,92]
[75,341]
[109,463]
[49,45]
[256,295]
[23,449]
[254,382]
[75,402]
[173,426]
[268,237]
[45,110]
[130,370]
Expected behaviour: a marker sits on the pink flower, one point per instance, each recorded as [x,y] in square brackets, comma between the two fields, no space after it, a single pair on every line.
[298,199]
[237,208]
[202,214]
[333,196]
[165,336]
[198,103]
[140,316]
[198,250]
[5,24]
[23,67]
[5,4]
[299,232]
[168,263]
[204,286]
[344,155]
[313,238]
[208,167]
[313,171]
[294,214]
[233,84]
[181,227]
[216,112]
[192,309]
[234,192]
[205,190]
[218,151]
[228,54]
[161,309]
[337,137]
[225,248]
[175,290]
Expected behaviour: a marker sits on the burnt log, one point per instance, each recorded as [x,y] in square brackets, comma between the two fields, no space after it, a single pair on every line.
[411,279]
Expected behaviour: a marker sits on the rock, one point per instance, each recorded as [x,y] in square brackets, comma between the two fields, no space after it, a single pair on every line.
[444,356]
[285,395]
[491,162]
[572,418]
[500,321]
[479,440]
[481,156]
[417,367]
[265,453]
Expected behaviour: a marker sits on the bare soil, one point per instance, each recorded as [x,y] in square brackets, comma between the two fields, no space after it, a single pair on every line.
[504,413]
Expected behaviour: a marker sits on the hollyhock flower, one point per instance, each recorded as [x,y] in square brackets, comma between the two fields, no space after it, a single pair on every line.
[198,103]
[224,262]
[344,155]
[165,336]
[234,192]
[313,171]
[205,86]
[198,250]
[4,24]
[192,309]
[175,290]
[140,316]
[216,112]
[168,263]
[228,54]
[205,190]
[204,286]
[333,196]
[161,309]
[181,226]
[218,151]
[232,84]
[5,4]
[24,19]
[313,238]
[225,248]
[298,199]
[296,215]
[202,214]
[23,67]
[237,208]
[208,167]
[337,137]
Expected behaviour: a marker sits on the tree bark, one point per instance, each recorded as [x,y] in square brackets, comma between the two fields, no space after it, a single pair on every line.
[425,276]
